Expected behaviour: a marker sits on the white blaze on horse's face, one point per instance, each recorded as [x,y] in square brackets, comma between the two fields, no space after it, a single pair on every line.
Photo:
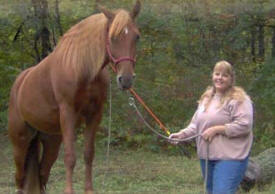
[126,31]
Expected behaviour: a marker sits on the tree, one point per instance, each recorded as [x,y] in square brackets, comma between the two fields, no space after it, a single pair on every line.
[41,12]
[273,42]
[57,17]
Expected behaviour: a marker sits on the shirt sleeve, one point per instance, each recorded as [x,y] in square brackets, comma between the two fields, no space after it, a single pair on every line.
[191,129]
[242,118]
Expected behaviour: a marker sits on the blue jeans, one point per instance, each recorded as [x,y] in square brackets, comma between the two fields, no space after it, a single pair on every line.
[224,176]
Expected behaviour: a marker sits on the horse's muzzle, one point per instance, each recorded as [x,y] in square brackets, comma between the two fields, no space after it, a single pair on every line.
[125,81]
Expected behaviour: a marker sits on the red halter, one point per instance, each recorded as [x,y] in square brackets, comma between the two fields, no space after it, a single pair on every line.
[113,59]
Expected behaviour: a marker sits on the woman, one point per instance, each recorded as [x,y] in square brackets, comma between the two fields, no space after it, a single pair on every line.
[224,120]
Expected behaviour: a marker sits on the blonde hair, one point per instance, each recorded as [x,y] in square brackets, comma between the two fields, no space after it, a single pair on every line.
[232,92]
[119,23]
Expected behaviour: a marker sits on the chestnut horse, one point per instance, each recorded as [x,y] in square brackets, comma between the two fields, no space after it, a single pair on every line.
[49,100]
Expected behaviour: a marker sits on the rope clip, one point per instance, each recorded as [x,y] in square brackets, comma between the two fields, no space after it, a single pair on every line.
[131,101]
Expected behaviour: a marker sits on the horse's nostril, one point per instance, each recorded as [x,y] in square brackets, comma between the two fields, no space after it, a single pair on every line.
[125,81]
[120,79]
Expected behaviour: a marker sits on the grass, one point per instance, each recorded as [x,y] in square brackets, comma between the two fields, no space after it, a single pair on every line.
[124,172]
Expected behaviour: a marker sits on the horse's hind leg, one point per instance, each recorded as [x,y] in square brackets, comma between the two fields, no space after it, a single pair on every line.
[51,145]
[20,136]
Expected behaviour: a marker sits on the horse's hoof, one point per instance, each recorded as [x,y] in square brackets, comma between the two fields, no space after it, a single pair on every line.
[89,192]
[19,191]
[68,192]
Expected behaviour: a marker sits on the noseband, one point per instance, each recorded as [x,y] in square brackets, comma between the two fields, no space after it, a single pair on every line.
[113,59]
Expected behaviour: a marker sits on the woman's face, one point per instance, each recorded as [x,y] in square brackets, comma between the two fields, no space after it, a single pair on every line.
[221,80]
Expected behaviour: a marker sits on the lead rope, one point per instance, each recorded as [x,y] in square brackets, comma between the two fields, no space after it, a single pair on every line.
[110,121]
[206,168]
[109,131]
[132,104]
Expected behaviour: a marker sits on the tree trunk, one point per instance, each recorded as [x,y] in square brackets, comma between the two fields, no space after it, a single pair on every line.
[57,16]
[97,2]
[252,43]
[261,42]
[43,34]
[273,43]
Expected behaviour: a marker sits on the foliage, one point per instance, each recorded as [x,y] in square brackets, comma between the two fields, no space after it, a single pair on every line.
[264,90]
[264,86]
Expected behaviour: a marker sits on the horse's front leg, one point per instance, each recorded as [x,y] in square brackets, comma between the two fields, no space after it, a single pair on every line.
[92,122]
[67,122]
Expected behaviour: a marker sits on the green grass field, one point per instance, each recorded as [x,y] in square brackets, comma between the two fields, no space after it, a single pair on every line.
[125,171]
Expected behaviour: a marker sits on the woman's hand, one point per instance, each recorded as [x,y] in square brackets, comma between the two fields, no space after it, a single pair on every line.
[210,133]
[178,135]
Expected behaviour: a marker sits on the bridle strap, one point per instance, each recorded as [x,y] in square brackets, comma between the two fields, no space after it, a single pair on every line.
[113,59]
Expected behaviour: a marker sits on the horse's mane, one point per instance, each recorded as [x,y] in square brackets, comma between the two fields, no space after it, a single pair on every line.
[82,48]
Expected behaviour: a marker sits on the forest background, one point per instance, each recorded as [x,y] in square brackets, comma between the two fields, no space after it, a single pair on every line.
[181,40]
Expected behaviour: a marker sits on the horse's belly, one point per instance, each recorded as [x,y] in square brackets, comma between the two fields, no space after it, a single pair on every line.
[43,120]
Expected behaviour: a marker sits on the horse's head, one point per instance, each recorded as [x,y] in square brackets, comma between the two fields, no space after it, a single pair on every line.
[122,37]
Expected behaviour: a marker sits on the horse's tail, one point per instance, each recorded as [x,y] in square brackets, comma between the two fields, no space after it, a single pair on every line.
[32,179]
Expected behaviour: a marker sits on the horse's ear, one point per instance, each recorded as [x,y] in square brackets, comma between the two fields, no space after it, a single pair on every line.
[110,15]
[136,9]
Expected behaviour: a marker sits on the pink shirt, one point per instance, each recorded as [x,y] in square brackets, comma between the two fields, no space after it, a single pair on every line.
[238,119]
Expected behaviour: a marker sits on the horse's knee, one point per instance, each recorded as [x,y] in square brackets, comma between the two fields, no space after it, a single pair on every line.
[88,157]
[70,160]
